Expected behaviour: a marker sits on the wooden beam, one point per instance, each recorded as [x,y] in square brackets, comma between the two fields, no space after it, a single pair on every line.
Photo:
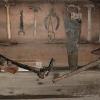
[90,65]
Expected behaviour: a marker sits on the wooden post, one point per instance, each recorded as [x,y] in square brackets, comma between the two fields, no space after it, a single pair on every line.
[90,6]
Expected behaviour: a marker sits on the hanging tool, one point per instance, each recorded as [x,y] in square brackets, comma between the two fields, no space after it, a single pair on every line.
[7,5]
[41,72]
[50,24]
[35,9]
[21,30]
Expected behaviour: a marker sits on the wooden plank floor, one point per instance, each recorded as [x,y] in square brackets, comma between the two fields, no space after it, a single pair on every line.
[28,85]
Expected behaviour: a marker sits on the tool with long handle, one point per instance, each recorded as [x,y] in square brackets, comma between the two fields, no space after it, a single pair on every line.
[35,9]
[41,72]
[35,25]
[7,6]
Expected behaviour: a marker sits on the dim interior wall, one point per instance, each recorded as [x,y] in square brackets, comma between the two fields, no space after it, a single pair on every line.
[84,28]
[96,24]
[95,30]
[3,32]
[40,16]
[28,21]
[38,51]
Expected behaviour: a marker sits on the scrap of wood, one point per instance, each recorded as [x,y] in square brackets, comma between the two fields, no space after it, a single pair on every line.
[85,67]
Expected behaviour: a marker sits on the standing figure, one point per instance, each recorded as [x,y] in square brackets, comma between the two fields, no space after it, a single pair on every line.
[21,24]
[72,22]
